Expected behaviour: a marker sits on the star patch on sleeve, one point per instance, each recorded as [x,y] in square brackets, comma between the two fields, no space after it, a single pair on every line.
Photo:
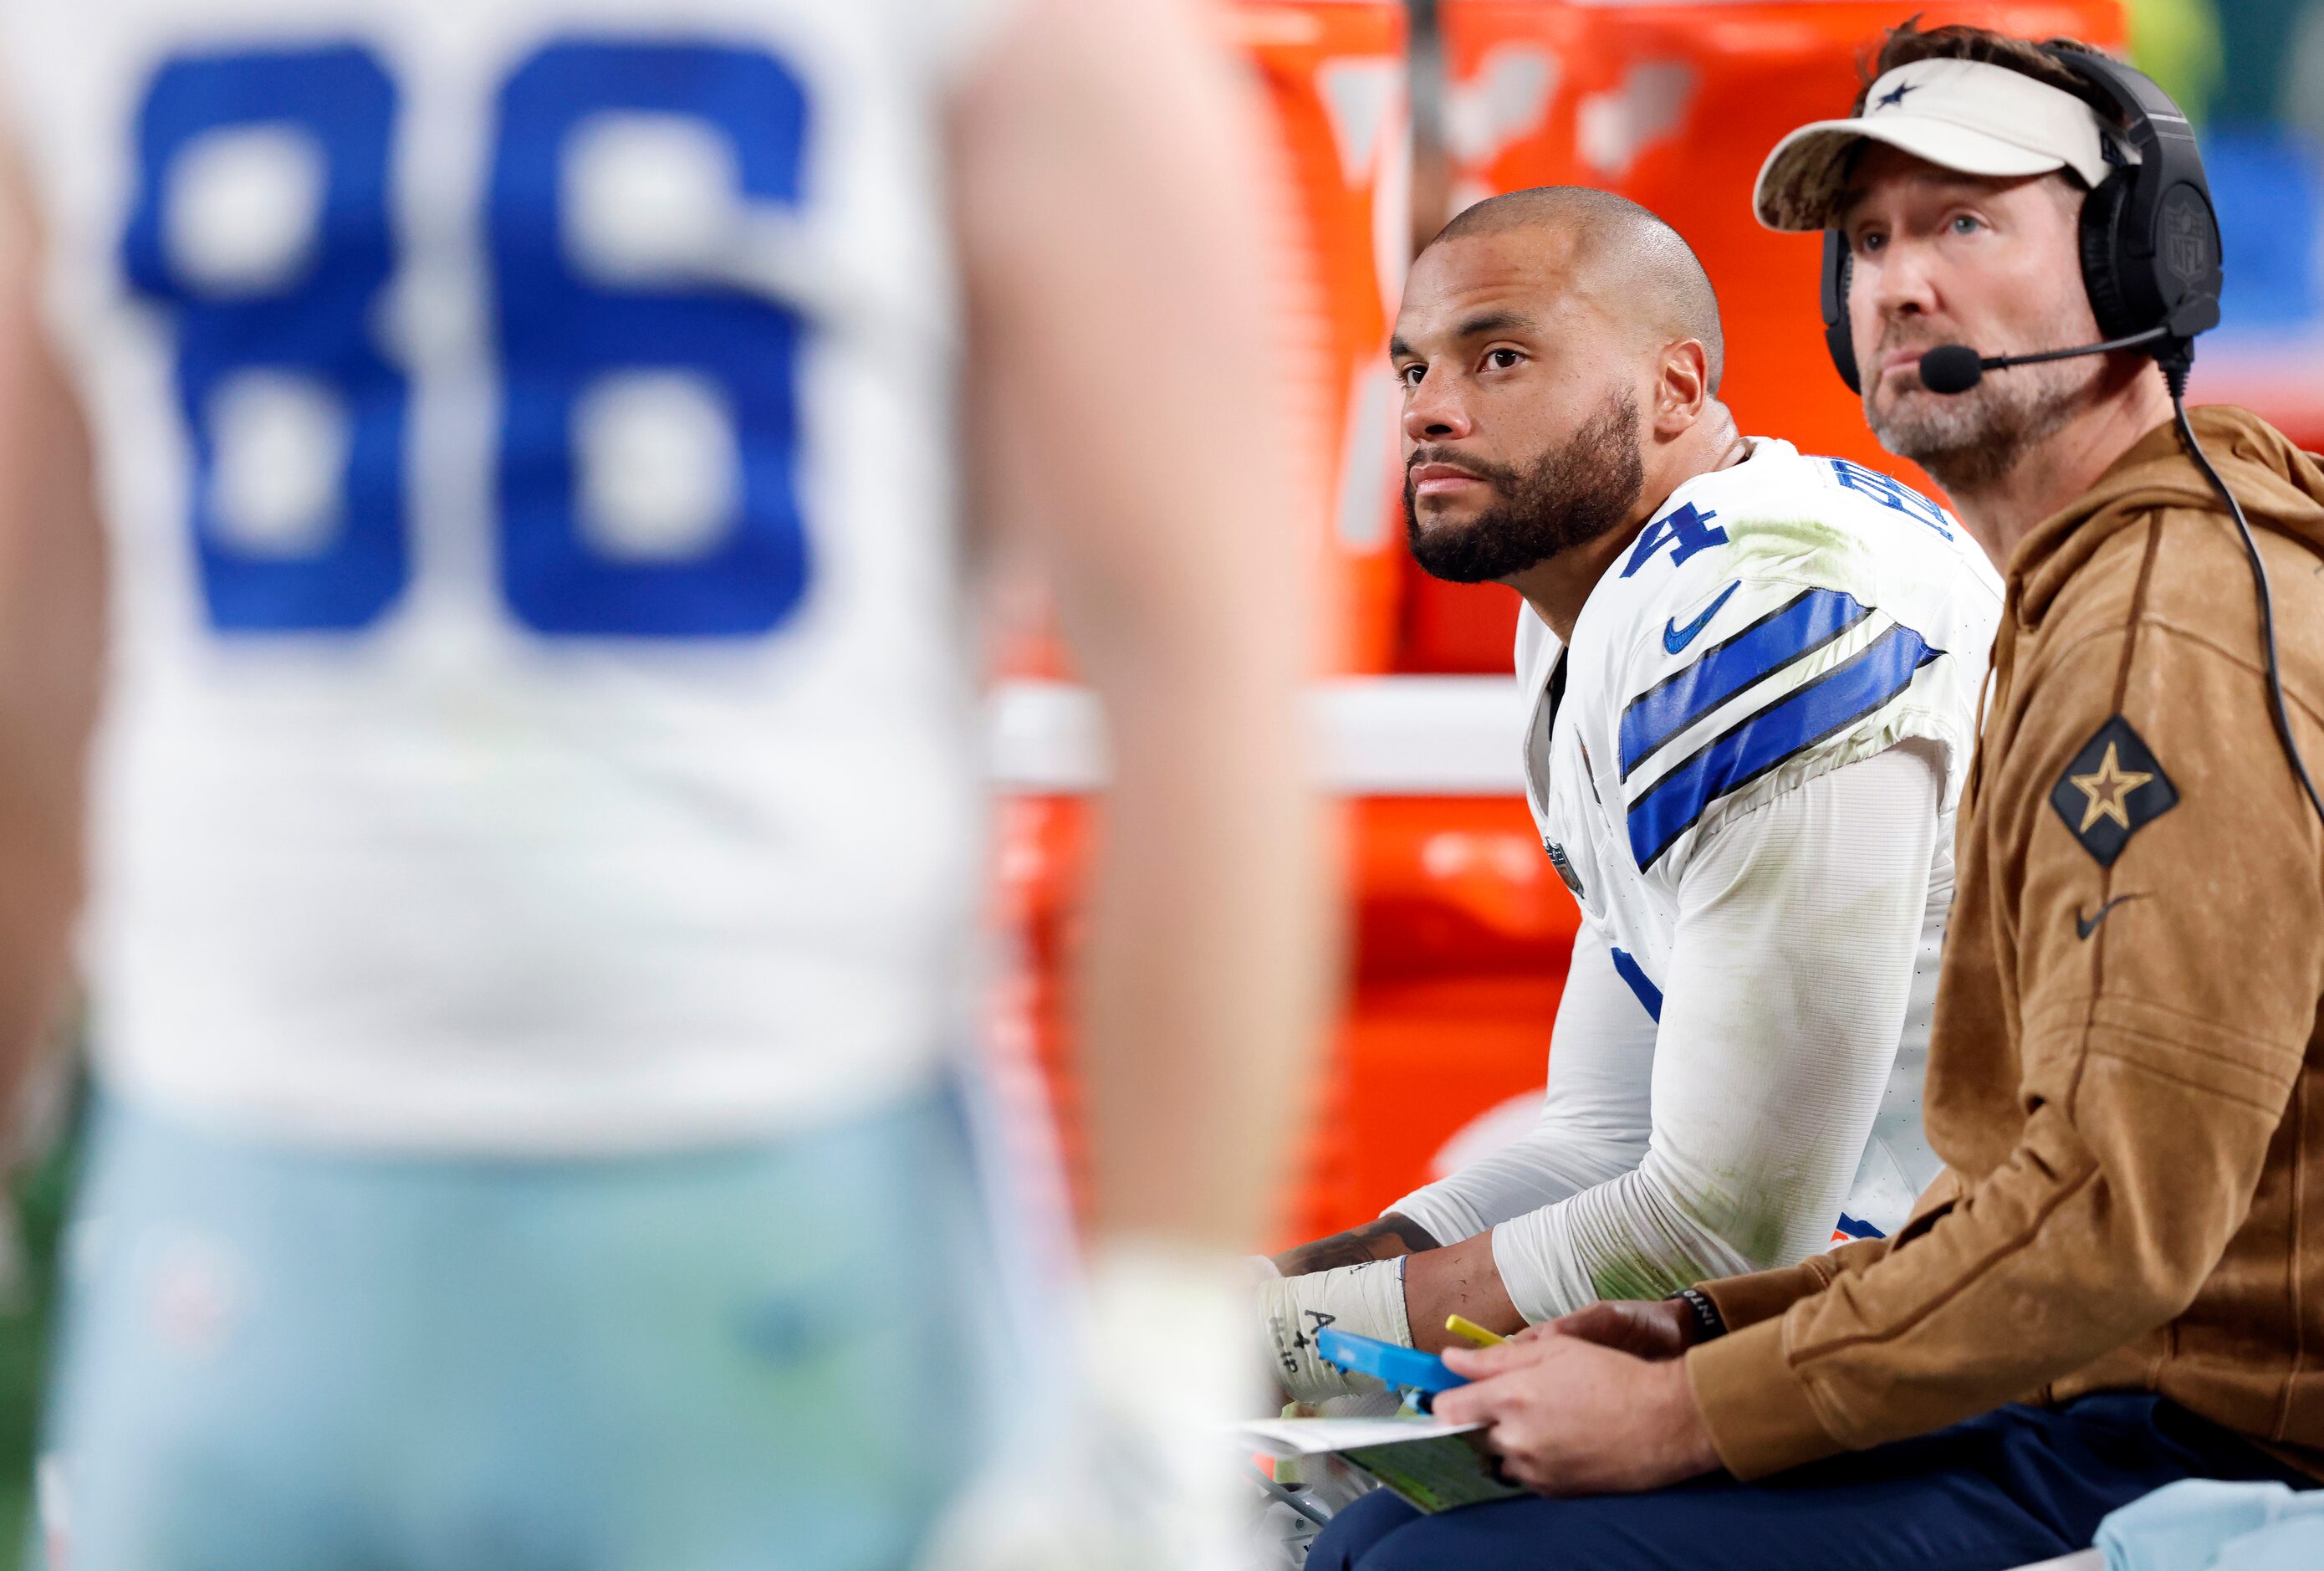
[2114,788]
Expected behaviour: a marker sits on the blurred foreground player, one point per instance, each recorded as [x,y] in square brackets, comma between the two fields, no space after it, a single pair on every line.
[2118,1280]
[1752,679]
[535,819]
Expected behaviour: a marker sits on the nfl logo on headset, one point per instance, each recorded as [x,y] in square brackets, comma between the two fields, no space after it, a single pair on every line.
[2186,237]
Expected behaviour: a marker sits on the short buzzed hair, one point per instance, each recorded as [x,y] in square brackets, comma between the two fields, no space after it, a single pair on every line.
[1655,266]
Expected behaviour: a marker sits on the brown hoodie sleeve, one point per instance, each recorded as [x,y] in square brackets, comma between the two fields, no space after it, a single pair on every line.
[2157,1051]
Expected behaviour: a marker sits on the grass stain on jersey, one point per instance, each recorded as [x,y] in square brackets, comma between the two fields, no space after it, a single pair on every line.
[1631,1274]
[1808,549]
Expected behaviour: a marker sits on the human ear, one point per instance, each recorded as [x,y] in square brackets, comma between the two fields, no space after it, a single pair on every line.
[1683,387]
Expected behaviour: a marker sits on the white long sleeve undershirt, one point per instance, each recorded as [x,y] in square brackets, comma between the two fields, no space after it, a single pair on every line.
[1725,1139]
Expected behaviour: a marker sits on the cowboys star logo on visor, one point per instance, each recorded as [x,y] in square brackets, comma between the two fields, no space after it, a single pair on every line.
[1959,115]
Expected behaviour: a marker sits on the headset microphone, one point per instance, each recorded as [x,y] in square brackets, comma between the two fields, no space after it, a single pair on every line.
[1957,368]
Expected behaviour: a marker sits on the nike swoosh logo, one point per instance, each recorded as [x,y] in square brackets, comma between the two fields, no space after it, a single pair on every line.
[1676,638]
[2085,926]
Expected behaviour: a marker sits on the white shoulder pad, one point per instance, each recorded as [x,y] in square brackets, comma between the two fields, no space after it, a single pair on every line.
[1792,615]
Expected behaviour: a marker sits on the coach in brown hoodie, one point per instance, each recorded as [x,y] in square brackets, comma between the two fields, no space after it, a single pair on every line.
[2119,1280]
[2126,1075]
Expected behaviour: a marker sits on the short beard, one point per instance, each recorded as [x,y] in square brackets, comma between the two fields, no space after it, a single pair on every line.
[1969,441]
[1567,497]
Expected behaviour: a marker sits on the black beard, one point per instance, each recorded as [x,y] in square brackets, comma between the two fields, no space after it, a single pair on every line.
[1567,497]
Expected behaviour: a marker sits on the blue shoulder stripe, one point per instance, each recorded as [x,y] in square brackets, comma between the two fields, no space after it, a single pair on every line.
[1835,700]
[1793,631]
[1631,972]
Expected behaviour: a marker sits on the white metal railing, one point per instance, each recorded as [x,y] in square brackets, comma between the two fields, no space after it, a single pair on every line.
[1385,736]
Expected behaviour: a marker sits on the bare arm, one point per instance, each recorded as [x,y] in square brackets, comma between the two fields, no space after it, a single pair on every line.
[1131,424]
[1385,1239]
[52,616]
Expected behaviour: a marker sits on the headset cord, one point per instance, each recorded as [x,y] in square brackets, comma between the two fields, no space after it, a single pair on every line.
[2259,575]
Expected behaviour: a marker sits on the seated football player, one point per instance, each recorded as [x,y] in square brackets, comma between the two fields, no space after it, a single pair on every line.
[1753,677]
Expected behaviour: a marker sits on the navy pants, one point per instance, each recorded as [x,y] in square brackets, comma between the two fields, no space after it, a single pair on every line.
[2020,1485]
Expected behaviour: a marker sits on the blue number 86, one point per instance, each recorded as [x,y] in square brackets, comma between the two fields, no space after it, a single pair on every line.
[278,373]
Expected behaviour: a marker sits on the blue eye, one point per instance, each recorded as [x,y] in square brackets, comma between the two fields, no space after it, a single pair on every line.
[1963,223]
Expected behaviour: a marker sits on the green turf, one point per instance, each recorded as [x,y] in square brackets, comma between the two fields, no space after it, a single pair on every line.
[38,1194]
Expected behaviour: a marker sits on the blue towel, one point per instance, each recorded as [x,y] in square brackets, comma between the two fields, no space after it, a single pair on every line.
[2203,1525]
[2294,1543]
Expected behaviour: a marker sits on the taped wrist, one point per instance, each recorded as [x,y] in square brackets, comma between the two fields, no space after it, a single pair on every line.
[1367,1300]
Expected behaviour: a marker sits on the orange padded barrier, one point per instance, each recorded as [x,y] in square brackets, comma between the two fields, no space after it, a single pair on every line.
[1459,938]
[1333,76]
[1462,934]
[1335,79]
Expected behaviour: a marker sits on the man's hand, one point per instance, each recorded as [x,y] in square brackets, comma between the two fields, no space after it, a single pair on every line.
[1653,1330]
[1571,1417]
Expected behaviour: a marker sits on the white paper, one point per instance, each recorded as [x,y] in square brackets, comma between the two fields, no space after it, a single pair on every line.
[1315,1436]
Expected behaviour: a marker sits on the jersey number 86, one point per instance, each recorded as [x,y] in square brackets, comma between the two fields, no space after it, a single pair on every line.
[255,349]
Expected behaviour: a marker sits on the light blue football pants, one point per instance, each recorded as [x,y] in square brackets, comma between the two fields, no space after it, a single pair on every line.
[767,1358]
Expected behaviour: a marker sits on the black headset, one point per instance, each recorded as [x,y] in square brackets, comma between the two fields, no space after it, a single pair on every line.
[2150,241]
[2152,267]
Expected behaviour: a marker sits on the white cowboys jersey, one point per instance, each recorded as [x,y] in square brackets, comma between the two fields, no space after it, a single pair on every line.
[1776,620]
[539,710]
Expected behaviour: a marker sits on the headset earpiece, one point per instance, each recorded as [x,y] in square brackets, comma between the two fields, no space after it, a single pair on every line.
[1839,266]
[2150,240]
[2102,247]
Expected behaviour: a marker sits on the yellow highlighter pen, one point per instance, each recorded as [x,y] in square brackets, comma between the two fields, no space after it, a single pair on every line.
[1468,1330]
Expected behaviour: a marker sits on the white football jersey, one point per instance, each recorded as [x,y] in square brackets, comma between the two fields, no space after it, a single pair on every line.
[1775,620]
[538,711]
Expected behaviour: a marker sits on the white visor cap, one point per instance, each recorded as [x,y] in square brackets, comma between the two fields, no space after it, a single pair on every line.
[1959,115]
